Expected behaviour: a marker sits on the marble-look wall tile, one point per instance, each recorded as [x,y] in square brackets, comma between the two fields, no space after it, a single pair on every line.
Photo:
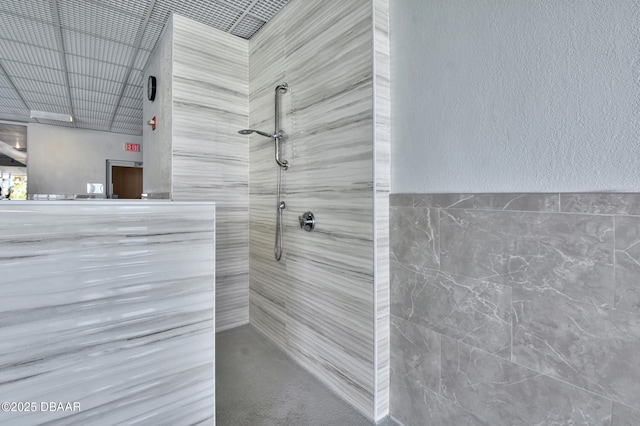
[401,200]
[413,405]
[109,304]
[567,254]
[416,355]
[571,279]
[473,311]
[601,203]
[414,237]
[210,159]
[518,201]
[444,201]
[502,393]
[591,347]
[627,296]
[624,416]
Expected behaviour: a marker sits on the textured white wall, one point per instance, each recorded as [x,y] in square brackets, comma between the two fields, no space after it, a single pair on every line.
[62,160]
[514,95]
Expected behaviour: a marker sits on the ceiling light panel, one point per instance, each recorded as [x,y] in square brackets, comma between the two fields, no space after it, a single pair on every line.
[91,83]
[134,103]
[135,78]
[33,72]
[151,35]
[130,112]
[247,27]
[87,107]
[97,20]
[141,59]
[36,97]
[32,9]
[32,86]
[11,102]
[266,9]
[56,109]
[94,68]
[29,54]
[210,12]
[97,48]
[134,92]
[28,31]
[9,93]
[55,123]
[240,4]
[91,96]
[133,7]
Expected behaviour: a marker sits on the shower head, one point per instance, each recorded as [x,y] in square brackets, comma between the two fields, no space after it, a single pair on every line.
[279,134]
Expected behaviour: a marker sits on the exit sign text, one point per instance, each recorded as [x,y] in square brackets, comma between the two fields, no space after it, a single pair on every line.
[135,147]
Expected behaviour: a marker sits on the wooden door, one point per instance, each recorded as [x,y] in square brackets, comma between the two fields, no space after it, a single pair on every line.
[127,182]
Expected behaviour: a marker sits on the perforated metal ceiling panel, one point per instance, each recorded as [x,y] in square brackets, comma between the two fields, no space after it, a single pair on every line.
[85,57]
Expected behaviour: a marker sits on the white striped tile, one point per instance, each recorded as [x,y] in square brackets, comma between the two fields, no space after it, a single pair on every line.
[110,304]
[333,317]
[210,160]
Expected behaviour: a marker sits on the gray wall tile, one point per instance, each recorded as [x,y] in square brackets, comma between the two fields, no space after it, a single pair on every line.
[502,393]
[414,236]
[625,416]
[627,292]
[518,201]
[601,203]
[416,354]
[591,347]
[575,304]
[476,312]
[401,200]
[413,405]
[459,201]
[569,254]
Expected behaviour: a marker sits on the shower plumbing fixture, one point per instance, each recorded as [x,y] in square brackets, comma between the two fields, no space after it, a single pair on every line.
[277,136]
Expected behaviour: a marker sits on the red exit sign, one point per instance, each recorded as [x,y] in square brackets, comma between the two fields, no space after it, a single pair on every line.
[134,147]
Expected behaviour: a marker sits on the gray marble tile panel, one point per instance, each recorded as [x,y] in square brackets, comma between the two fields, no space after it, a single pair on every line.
[414,237]
[624,416]
[499,392]
[627,263]
[412,405]
[595,348]
[110,304]
[416,354]
[568,254]
[601,203]
[473,311]
[530,202]
[444,201]
[401,200]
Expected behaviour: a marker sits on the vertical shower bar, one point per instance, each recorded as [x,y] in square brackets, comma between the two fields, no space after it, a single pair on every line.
[277,135]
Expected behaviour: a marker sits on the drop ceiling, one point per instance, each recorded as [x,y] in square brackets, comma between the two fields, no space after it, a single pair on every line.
[85,57]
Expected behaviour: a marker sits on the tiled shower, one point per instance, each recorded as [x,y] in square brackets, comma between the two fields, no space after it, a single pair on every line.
[487,308]
[434,305]
[326,302]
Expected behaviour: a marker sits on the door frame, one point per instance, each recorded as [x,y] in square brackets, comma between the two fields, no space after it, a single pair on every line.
[118,163]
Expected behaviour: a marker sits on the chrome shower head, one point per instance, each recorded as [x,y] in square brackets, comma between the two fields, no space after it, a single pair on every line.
[261,133]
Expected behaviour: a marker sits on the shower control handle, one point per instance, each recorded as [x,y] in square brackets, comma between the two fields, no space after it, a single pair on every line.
[307,221]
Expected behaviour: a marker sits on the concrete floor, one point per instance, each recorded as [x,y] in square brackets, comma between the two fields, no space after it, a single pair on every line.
[258,385]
